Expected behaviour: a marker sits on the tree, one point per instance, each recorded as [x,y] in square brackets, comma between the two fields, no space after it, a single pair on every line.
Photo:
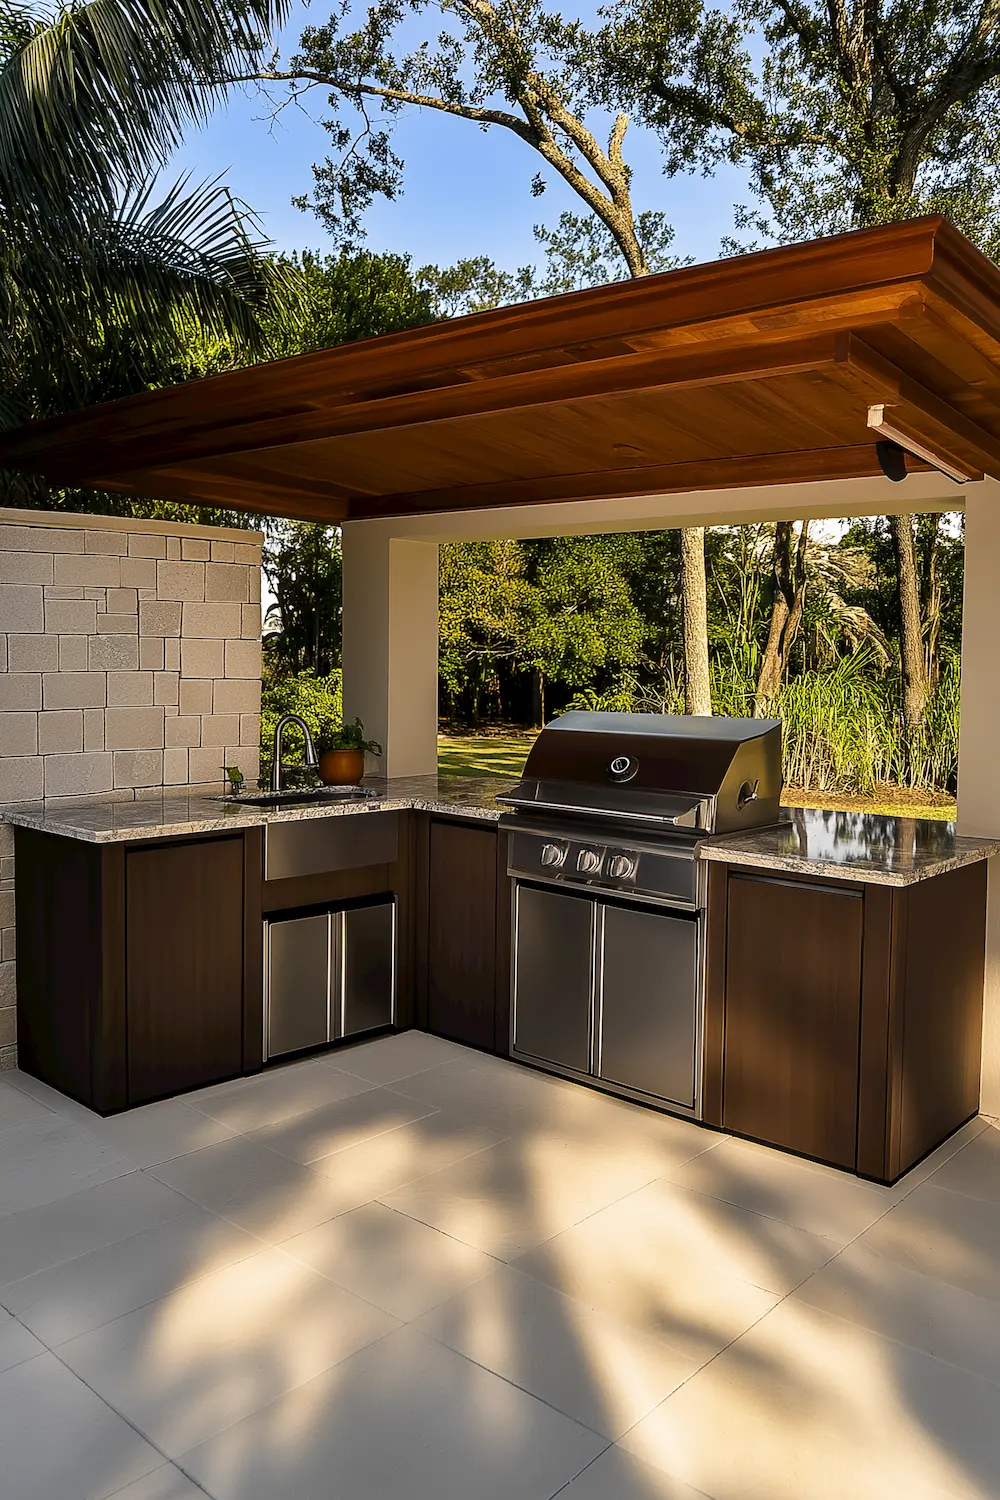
[517,68]
[788,593]
[504,67]
[697,681]
[100,270]
[845,113]
[302,564]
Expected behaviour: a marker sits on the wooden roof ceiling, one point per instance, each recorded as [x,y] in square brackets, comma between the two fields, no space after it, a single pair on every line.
[754,370]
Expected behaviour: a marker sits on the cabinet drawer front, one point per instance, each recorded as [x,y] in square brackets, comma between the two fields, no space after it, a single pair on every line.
[649,1000]
[793,1016]
[298,984]
[367,941]
[553,977]
[316,846]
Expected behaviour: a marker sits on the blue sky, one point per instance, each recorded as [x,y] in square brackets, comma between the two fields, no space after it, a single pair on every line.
[466,192]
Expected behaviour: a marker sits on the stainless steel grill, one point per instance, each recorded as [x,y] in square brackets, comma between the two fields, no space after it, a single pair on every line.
[609,894]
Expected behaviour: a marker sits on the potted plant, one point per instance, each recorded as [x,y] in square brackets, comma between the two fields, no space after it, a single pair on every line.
[342,749]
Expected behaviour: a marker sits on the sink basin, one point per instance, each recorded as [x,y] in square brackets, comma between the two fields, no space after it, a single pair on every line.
[304,796]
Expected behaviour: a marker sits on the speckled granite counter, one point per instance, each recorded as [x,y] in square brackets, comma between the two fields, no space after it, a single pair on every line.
[852,846]
[176,815]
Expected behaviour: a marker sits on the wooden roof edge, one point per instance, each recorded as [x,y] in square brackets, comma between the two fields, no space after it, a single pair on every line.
[928,248]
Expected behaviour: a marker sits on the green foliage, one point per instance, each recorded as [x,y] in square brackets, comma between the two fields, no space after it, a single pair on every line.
[349,735]
[844,113]
[317,700]
[302,563]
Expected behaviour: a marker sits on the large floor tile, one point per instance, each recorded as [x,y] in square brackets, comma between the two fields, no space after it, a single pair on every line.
[17,1107]
[276,1094]
[671,1265]
[495,1093]
[525,1190]
[158,1132]
[72,1298]
[16,1343]
[619,1475]
[591,1367]
[363,1172]
[392,1261]
[265,1193]
[217,1349]
[83,1221]
[808,1405]
[337,1126]
[952,1236]
[406,1419]
[48,1159]
[59,1441]
[975,1170]
[390,1058]
[911,1308]
[805,1194]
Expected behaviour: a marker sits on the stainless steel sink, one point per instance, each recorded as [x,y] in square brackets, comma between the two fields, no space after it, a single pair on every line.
[304,796]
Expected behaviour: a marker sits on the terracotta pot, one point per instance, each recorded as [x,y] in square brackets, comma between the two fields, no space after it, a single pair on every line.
[341,767]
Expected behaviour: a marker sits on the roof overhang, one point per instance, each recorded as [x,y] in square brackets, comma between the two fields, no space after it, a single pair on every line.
[756,370]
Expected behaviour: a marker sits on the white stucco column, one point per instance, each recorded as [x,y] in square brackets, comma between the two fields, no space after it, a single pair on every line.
[979,741]
[390,644]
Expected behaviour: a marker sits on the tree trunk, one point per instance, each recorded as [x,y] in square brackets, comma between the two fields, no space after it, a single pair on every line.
[928,535]
[911,645]
[789,582]
[694,597]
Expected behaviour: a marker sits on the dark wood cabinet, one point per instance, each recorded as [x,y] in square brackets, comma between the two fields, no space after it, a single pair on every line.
[184,966]
[467,915]
[844,1020]
[139,966]
[793,1015]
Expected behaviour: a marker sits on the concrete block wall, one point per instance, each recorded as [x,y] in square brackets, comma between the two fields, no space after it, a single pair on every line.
[130,665]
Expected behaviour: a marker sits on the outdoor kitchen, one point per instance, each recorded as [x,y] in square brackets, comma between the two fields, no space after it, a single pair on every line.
[550,1095]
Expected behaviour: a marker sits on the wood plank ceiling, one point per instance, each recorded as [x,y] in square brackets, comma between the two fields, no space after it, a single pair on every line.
[755,370]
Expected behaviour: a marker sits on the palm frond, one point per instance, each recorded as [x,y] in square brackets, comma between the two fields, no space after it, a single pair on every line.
[100,95]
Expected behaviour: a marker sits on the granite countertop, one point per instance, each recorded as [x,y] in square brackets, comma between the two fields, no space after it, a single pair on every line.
[852,846]
[178,813]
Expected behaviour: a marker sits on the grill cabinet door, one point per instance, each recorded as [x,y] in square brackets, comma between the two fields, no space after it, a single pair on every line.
[553,977]
[298,984]
[367,968]
[647,967]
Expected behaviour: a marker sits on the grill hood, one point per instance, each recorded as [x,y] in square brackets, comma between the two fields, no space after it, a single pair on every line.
[714,775]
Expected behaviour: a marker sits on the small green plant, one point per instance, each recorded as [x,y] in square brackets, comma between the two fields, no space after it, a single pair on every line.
[334,735]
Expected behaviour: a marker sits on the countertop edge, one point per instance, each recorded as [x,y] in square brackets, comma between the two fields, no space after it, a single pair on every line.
[41,822]
[853,874]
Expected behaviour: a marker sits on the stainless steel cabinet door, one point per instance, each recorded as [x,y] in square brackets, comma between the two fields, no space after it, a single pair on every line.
[298,984]
[553,971]
[647,975]
[367,967]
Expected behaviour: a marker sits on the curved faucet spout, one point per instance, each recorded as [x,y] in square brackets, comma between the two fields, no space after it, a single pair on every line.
[311,758]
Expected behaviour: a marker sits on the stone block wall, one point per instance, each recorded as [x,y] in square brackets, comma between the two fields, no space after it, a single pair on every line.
[130,664]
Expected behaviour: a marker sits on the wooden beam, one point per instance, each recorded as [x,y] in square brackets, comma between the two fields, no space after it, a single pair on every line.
[858,462]
[769,355]
[917,410]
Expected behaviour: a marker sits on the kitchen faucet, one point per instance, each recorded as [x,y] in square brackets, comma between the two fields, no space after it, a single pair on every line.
[311,758]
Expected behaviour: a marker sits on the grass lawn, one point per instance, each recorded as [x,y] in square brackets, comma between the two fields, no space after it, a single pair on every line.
[504,755]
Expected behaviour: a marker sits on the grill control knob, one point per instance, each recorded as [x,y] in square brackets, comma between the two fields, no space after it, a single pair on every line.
[552,854]
[621,867]
[588,861]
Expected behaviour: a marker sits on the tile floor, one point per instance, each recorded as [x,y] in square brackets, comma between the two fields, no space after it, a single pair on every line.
[407,1271]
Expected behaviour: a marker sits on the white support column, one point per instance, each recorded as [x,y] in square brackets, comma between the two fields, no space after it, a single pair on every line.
[979,760]
[390,645]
